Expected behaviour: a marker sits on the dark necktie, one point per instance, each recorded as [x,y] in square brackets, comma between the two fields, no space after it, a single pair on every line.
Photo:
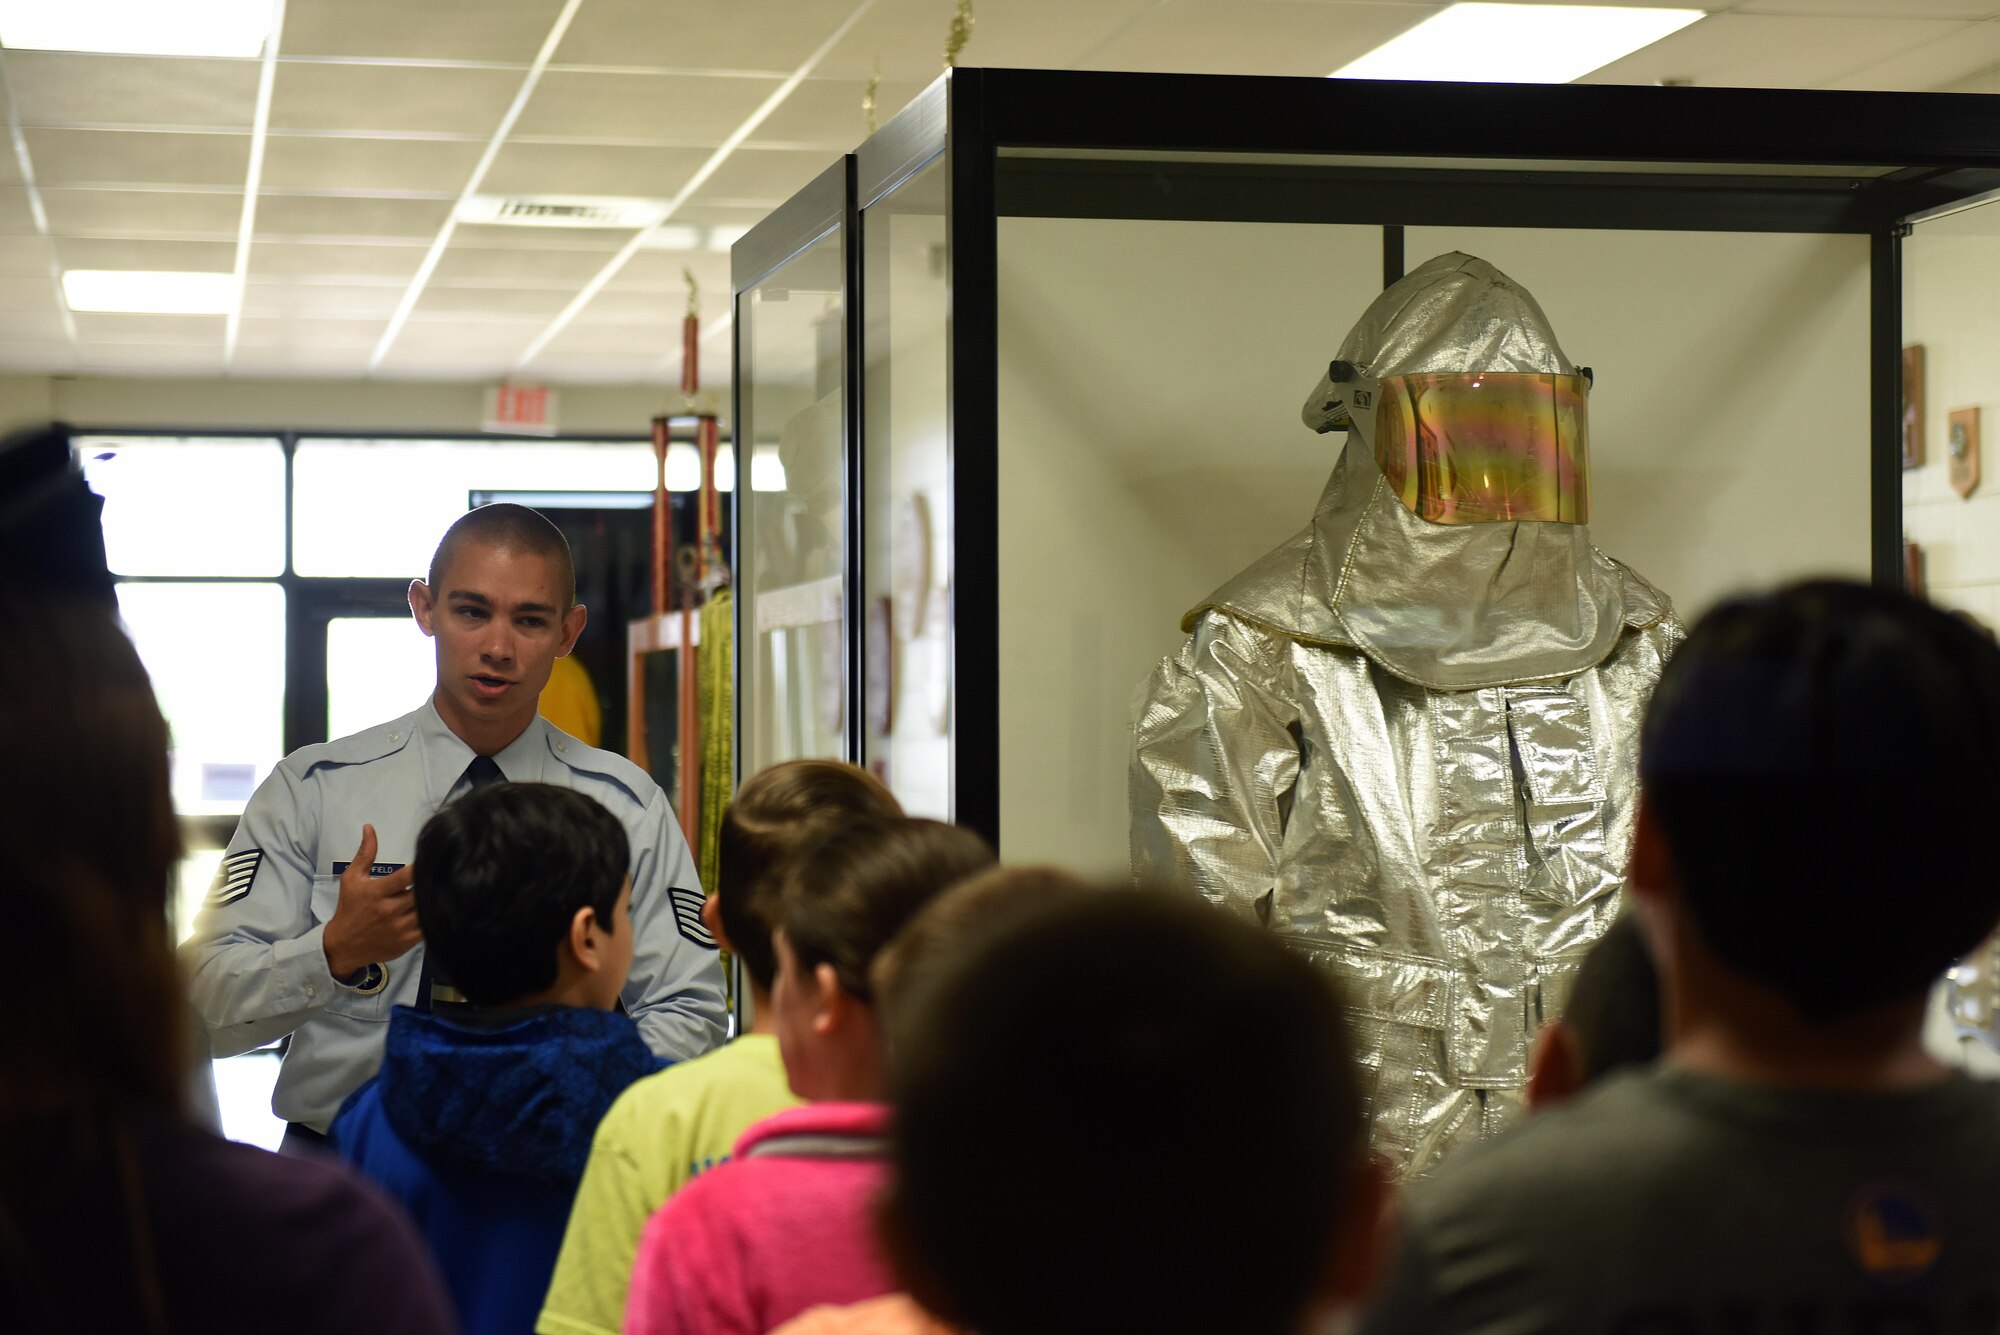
[434,991]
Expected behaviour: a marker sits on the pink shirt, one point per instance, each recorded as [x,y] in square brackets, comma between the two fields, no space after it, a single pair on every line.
[785,1225]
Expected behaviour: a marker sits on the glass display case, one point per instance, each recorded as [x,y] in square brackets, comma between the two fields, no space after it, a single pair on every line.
[1076,315]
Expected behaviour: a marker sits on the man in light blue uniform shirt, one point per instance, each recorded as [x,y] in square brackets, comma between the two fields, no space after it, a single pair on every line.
[311,929]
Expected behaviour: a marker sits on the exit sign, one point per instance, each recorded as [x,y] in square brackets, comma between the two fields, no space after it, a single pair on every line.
[521,410]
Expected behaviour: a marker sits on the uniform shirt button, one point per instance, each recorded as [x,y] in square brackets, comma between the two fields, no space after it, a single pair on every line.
[309,990]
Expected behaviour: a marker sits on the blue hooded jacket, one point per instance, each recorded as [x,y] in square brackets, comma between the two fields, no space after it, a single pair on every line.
[480,1126]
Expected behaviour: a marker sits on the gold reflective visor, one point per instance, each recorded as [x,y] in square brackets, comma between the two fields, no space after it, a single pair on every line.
[1479,446]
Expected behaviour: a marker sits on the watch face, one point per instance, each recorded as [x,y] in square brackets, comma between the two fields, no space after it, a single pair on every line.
[371,980]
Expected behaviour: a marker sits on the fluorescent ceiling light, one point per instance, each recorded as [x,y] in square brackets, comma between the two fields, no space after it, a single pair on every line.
[149,291]
[138,27]
[561,210]
[1492,43]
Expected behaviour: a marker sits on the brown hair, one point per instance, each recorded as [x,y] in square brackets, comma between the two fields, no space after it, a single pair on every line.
[90,849]
[953,925]
[777,811]
[1154,1108]
[844,898]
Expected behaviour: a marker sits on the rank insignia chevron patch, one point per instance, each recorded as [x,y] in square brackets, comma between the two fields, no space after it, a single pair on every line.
[233,877]
[687,916]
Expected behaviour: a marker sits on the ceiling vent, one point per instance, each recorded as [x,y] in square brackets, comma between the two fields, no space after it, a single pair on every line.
[562,211]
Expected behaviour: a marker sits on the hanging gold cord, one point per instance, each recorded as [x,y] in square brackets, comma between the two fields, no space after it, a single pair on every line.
[716,667]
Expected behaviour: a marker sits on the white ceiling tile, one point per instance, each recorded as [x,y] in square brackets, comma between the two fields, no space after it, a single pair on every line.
[608,369]
[774,174]
[142,359]
[39,327]
[121,157]
[644,310]
[1766,51]
[140,253]
[721,215]
[641,105]
[660,271]
[192,331]
[907,36]
[182,214]
[427,30]
[380,265]
[362,216]
[63,88]
[394,99]
[1932,66]
[280,362]
[624,340]
[21,254]
[1914,9]
[443,364]
[505,236]
[265,332]
[700,34]
[39,357]
[1296,37]
[30,294]
[826,113]
[15,215]
[486,267]
[518,304]
[562,169]
[312,302]
[369,165]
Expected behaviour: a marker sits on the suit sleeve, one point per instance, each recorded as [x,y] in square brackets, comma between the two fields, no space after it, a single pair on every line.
[1214,766]
[674,991]
[255,963]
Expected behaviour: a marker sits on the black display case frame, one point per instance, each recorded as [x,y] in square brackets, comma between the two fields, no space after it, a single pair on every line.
[1391,154]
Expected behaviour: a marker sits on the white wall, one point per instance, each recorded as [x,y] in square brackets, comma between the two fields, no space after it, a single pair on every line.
[1951,271]
[1150,447]
[1151,376]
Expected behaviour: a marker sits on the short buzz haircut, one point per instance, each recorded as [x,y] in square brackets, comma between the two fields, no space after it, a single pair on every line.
[499,877]
[1819,761]
[510,526]
[1128,1112]
[778,810]
[846,895]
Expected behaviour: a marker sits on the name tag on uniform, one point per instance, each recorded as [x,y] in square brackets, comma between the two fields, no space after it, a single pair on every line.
[374,869]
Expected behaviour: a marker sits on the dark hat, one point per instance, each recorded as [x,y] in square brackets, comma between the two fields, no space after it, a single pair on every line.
[51,522]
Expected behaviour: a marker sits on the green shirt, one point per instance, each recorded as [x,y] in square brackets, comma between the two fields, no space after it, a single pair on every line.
[660,1133]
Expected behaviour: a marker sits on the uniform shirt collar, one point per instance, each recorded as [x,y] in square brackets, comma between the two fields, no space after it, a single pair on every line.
[445,754]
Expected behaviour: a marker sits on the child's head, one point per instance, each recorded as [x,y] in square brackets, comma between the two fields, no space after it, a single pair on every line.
[946,930]
[1146,1107]
[523,896]
[840,901]
[777,810]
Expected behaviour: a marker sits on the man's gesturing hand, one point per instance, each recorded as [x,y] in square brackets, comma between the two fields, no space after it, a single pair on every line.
[376,918]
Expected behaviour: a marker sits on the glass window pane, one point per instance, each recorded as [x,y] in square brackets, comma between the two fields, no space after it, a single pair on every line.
[216,654]
[377,668]
[378,507]
[182,505]
[907,467]
[793,545]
